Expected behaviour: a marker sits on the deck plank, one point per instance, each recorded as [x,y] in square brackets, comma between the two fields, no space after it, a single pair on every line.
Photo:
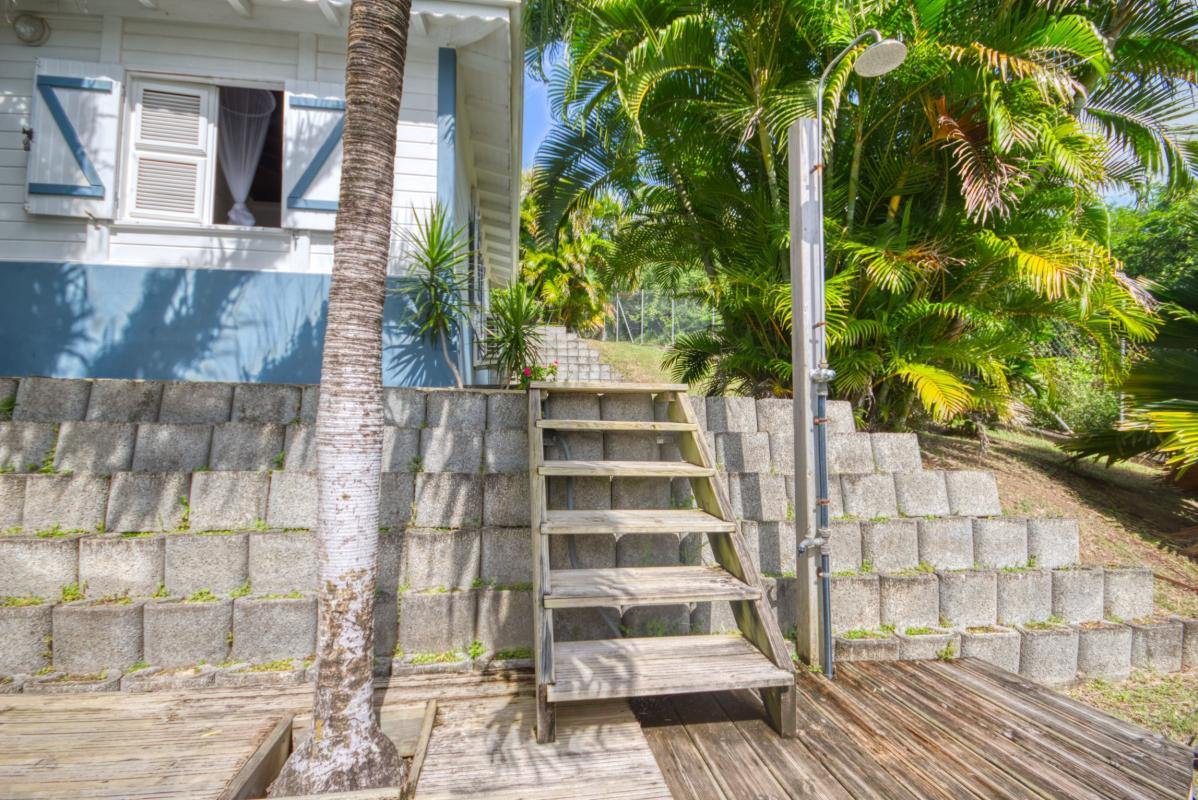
[664,520]
[623,469]
[631,586]
[734,764]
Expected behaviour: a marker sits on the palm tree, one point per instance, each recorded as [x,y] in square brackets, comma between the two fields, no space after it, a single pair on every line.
[437,284]
[346,749]
[964,209]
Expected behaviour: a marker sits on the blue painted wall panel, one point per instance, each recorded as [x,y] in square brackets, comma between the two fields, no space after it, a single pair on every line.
[70,320]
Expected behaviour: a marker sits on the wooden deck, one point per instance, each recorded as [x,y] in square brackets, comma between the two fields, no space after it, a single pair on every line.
[901,730]
[908,730]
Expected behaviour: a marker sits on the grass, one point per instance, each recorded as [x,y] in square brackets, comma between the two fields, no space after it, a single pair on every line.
[921,631]
[202,596]
[513,653]
[1050,624]
[241,591]
[1165,704]
[72,592]
[279,665]
[862,633]
[20,602]
[638,363]
[448,657]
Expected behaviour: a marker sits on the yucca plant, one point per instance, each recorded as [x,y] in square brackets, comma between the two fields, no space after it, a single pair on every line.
[513,338]
[436,283]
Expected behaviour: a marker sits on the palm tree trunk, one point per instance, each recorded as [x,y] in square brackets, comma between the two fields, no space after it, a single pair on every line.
[346,750]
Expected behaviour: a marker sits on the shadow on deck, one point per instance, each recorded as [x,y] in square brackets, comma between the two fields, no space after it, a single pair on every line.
[910,730]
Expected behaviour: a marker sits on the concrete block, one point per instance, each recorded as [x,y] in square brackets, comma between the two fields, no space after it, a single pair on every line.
[698,406]
[506,451]
[909,600]
[850,453]
[448,500]
[591,551]
[51,400]
[758,496]
[8,390]
[840,417]
[713,618]
[12,502]
[147,501]
[441,559]
[171,448]
[844,541]
[398,491]
[196,403]
[247,446]
[775,415]
[1052,543]
[1048,654]
[386,626]
[1000,542]
[505,619]
[1189,644]
[776,546]
[404,408]
[507,411]
[969,598]
[309,404]
[1127,593]
[91,635]
[291,500]
[124,401]
[895,452]
[731,414]
[217,562]
[66,683]
[583,624]
[641,493]
[972,494]
[36,566]
[436,622]
[390,562]
[246,676]
[72,502]
[878,647]
[25,445]
[450,450]
[782,452]
[116,565]
[994,645]
[1024,595]
[178,633]
[946,542]
[506,556]
[869,496]
[222,501]
[648,550]
[505,500]
[171,679]
[25,631]
[100,447]
[270,629]
[891,545]
[928,643]
[401,450]
[1157,645]
[782,599]
[672,620]
[856,602]
[458,410]
[280,563]
[300,448]
[1103,651]
[568,405]
[921,494]
[743,452]
[266,402]
[1077,594]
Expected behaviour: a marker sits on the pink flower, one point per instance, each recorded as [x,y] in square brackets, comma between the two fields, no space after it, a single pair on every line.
[555,362]
[527,371]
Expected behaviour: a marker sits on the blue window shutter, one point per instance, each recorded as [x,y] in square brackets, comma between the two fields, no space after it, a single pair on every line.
[313,123]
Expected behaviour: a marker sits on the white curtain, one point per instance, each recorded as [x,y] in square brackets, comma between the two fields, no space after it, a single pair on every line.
[244,122]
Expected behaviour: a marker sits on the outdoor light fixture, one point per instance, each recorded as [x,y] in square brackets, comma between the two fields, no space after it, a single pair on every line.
[31,30]
[809,359]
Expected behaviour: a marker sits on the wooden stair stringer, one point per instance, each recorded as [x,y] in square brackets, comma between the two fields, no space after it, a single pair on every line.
[754,618]
[546,725]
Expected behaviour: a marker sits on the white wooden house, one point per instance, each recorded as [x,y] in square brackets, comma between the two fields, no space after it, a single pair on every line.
[169,172]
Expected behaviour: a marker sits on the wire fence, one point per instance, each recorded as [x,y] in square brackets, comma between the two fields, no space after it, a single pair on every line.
[653,317]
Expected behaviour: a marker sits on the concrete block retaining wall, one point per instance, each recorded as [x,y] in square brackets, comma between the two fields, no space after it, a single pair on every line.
[137,496]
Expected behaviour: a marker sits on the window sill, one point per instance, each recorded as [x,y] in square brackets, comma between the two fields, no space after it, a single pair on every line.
[165,226]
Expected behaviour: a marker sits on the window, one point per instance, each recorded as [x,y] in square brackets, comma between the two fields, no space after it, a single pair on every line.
[205,154]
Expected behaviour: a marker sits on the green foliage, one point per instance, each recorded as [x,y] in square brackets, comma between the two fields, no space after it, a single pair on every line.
[7,406]
[1072,393]
[241,591]
[963,216]
[201,596]
[513,340]
[1158,240]
[72,592]
[476,650]
[19,602]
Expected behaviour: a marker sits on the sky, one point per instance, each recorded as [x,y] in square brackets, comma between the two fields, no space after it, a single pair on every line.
[536,117]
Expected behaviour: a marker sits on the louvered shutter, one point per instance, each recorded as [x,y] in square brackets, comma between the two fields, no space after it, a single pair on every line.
[171,152]
[75,118]
[313,121]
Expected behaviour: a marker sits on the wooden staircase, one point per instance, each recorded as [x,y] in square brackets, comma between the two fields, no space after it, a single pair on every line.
[633,667]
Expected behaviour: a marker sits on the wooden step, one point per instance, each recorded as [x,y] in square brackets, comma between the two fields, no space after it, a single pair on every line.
[609,388]
[644,586]
[663,520]
[608,668]
[626,469]
[615,425]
